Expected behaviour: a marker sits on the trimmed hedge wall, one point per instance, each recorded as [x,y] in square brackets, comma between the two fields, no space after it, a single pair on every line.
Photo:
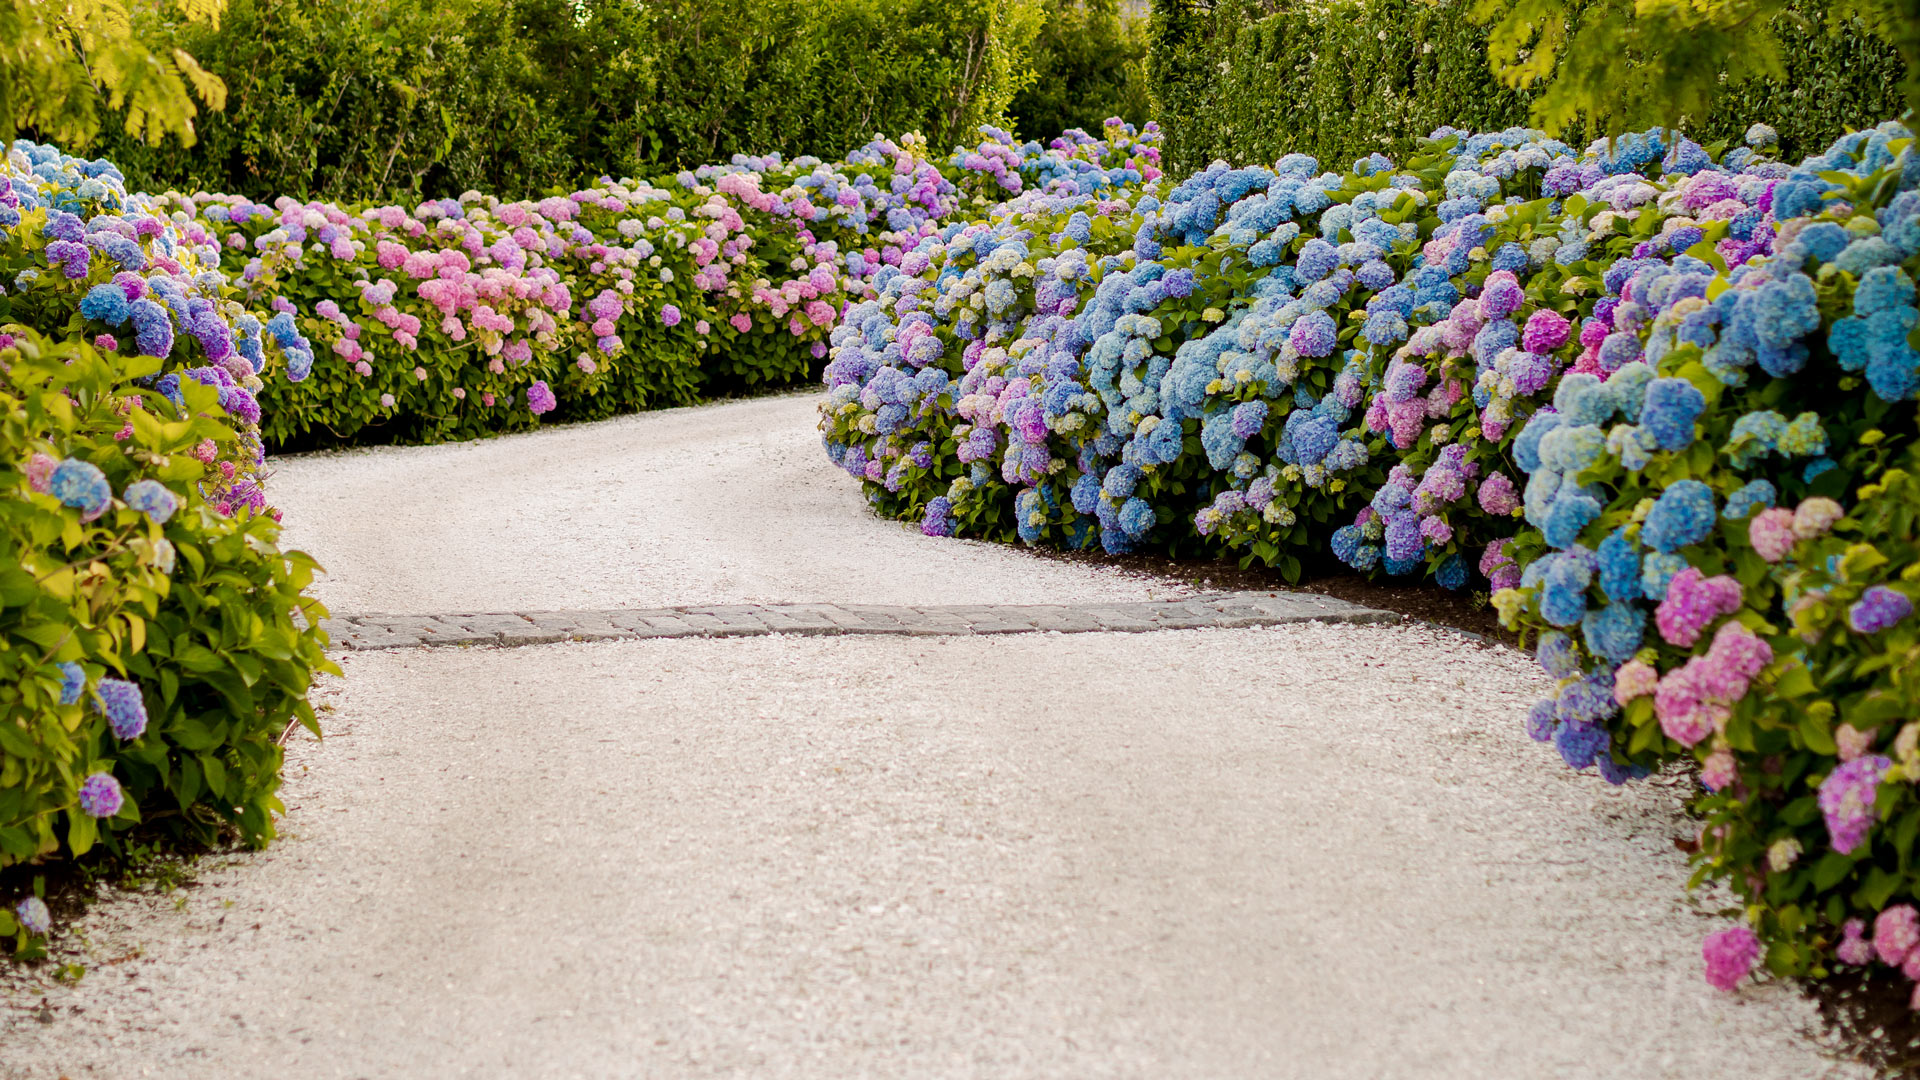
[355,100]
[1250,80]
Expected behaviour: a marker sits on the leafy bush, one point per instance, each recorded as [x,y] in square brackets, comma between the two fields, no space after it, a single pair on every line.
[151,653]
[1089,63]
[1249,80]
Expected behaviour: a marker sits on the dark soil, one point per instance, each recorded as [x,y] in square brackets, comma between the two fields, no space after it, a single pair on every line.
[1869,1019]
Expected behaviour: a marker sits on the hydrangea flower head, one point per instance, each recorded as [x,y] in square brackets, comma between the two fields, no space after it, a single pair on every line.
[81,484]
[33,915]
[73,682]
[1877,609]
[1896,931]
[100,795]
[153,499]
[1730,954]
[1846,799]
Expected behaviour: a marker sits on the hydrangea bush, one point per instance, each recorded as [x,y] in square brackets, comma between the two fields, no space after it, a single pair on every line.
[154,641]
[1647,394]
[152,652]
[1734,578]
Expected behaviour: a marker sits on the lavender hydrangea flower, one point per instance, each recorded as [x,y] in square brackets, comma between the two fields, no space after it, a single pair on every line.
[73,682]
[1846,799]
[33,915]
[100,795]
[540,398]
[126,709]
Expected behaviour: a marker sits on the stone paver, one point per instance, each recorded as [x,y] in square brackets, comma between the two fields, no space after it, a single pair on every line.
[1230,611]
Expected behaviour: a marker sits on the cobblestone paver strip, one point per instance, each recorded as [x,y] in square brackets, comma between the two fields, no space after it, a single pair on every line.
[1224,611]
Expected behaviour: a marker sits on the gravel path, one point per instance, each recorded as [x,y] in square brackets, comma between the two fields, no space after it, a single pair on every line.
[1306,851]
[718,504]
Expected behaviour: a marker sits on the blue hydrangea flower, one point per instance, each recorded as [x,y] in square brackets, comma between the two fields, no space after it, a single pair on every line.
[107,303]
[153,499]
[1657,571]
[1614,632]
[1672,405]
[1619,567]
[1563,591]
[73,682]
[81,485]
[1684,514]
[1136,518]
[1754,495]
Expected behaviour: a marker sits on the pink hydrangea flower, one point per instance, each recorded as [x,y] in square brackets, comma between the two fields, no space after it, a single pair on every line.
[1694,600]
[1635,678]
[1497,495]
[1718,772]
[1771,533]
[1854,948]
[40,473]
[1730,955]
[1895,932]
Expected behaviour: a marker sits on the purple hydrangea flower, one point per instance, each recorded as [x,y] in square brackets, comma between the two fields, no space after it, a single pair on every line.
[1878,609]
[540,398]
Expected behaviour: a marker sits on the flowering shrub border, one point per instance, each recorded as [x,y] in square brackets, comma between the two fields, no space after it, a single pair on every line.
[1628,387]
[472,316]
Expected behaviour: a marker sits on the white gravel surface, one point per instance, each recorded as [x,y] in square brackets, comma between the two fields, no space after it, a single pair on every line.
[1316,852]
[728,503]
[1313,851]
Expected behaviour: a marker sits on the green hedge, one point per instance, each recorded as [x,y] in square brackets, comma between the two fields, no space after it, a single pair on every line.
[1250,80]
[1089,63]
[388,99]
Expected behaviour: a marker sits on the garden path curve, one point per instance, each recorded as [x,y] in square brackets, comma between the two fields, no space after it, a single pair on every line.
[920,846]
